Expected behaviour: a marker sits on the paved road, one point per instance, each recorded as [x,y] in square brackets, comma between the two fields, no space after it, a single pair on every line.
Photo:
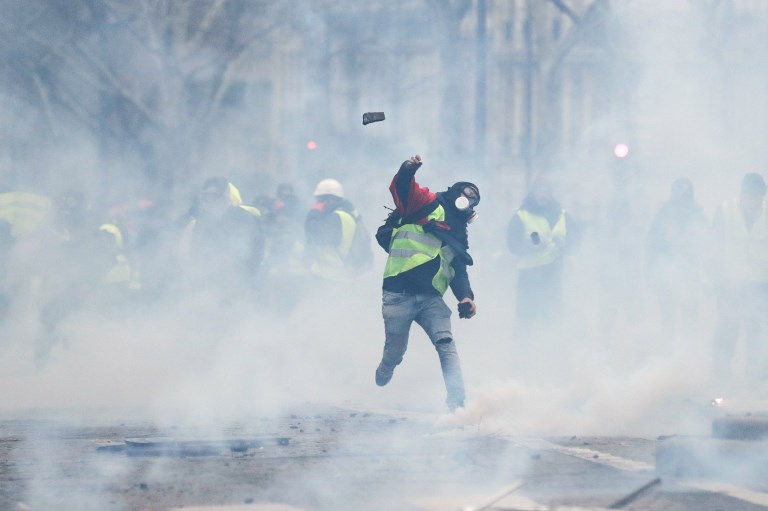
[333,459]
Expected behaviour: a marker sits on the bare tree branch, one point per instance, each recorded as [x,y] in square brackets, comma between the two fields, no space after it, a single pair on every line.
[454,9]
[593,17]
[86,77]
[56,51]
[206,23]
[223,76]
[45,100]
[566,10]
[74,105]
[112,80]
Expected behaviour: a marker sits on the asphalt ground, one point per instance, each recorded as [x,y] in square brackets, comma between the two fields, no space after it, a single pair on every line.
[336,458]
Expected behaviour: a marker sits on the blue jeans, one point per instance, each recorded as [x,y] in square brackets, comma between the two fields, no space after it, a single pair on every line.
[433,315]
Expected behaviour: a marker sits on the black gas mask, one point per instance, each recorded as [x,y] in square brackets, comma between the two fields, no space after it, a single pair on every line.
[465,197]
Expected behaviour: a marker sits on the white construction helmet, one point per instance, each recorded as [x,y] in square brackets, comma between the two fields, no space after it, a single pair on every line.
[329,187]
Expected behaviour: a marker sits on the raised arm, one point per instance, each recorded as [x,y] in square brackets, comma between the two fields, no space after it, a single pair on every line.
[409,196]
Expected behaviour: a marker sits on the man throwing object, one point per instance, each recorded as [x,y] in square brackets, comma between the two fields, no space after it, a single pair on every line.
[427,254]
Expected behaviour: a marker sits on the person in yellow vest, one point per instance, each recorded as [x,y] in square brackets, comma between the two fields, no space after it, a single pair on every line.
[25,212]
[740,277]
[337,245]
[122,274]
[222,246]
[675,246]
[23,218]
[540,234]
[427,255]
[234,198]
[74,268]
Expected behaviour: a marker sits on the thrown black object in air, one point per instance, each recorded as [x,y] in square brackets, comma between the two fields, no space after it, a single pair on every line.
[369,117]
[535,238]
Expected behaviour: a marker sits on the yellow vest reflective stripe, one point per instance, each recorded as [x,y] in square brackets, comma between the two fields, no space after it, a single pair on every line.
[445,275]
[328,261]
[745,251]
[121,272]
[234,195]
[24,211]
[550,251]
[422,243]
[348,226]
[115,232]
[412,246]
[250,209]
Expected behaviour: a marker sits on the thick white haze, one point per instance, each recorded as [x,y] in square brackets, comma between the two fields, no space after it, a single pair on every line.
[696,111]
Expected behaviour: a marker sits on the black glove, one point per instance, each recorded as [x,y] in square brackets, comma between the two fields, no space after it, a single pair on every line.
[465,309]
[407,165]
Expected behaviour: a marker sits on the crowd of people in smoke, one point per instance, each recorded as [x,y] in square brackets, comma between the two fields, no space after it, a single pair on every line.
[682,259]
[62,252]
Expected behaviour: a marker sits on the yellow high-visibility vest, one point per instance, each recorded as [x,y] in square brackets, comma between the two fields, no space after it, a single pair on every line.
[550,250]
[412,246]
[250,209]
[24,211]
[745,251]
[328,262]
[121,272]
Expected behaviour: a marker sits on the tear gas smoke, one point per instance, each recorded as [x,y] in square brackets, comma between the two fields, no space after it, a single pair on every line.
[134,114]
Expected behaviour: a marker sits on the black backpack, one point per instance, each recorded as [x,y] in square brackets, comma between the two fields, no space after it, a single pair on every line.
[384,232]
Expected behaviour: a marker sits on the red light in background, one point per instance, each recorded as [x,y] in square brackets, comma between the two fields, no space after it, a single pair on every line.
[311,145]
[621,150]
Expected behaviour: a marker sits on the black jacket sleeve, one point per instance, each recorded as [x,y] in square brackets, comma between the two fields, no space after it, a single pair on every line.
[460,283]
[403,180]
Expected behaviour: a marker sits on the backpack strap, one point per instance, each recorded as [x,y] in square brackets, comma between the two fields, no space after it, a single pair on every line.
[445,236]
[420,213]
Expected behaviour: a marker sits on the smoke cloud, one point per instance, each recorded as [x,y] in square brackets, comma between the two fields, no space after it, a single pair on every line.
[131,112]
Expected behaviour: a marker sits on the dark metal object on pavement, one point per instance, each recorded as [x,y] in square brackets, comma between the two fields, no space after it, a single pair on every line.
[167,446]
[503,493]
[619,504]
[741,427]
